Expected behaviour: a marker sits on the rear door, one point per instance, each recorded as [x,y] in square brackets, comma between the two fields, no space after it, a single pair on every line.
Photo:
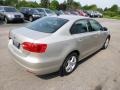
[85,40]
[98,34]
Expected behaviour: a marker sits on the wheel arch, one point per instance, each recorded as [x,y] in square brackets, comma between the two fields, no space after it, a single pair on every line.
[73,51]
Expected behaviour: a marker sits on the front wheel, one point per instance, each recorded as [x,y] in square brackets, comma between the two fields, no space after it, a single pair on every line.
[106,43]
[69,64]
[30,18]
[6,20]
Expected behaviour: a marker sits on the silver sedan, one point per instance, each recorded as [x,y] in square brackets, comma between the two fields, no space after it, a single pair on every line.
[57,43]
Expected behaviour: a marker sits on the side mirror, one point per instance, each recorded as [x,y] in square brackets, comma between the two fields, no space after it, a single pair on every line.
[104,29]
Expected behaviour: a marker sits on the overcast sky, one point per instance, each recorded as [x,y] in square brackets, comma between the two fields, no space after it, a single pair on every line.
[99,3]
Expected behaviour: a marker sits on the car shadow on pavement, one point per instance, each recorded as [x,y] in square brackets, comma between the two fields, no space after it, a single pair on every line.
[56,74]
[49,76]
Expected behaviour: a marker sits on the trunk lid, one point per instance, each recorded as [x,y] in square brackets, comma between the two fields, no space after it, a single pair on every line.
[18,36]
[24,34]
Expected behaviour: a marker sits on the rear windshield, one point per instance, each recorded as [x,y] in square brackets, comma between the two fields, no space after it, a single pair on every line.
[10,9]
[47,24]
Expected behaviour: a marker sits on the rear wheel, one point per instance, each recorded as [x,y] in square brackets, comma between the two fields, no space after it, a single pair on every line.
[69,64]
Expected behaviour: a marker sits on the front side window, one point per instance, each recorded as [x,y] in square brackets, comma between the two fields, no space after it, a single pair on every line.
[95,25]
[10,9]
[80,26]
[47,24]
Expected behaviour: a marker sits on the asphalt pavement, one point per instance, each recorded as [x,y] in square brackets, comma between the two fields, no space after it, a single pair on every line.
[101,71]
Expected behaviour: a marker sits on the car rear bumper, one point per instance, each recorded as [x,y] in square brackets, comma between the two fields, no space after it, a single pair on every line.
[38,68]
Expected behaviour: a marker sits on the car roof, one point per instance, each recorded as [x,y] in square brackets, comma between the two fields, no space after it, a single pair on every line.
[71,17]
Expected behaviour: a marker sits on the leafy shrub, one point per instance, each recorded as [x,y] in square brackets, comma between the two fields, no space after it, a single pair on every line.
[110,13]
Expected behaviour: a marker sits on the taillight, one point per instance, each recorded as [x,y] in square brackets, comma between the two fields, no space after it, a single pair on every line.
[34,47]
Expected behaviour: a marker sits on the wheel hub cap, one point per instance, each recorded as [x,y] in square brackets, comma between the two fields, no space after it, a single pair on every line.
[71,64]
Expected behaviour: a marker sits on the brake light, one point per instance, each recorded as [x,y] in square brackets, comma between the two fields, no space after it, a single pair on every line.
[34,47]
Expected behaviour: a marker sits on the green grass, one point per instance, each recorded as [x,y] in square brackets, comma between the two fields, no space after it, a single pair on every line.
[115,17]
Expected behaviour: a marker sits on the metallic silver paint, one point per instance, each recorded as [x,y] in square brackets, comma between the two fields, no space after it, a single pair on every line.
[60,44]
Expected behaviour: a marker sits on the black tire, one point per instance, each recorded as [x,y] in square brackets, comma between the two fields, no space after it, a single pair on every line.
[22,21]
[63,70]
[30,18]
[106,43]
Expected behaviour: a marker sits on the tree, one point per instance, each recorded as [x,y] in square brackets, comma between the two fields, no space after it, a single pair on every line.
[106,9]
[24,3]
[33,4]
[86,7]
[91,7]
[76,5]
[69,3]
[100,9]
[63,6]
[1,2]
[114,8]
[45,3]
[54,5]
[11,2]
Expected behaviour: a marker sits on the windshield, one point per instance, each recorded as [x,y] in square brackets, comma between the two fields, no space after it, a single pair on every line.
[47,24]
[49,11]
[34,11]
[10,9]
[41,11]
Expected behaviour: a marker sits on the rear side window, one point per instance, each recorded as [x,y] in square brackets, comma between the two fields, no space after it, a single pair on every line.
[95,25]
[80,26]
[47,24]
